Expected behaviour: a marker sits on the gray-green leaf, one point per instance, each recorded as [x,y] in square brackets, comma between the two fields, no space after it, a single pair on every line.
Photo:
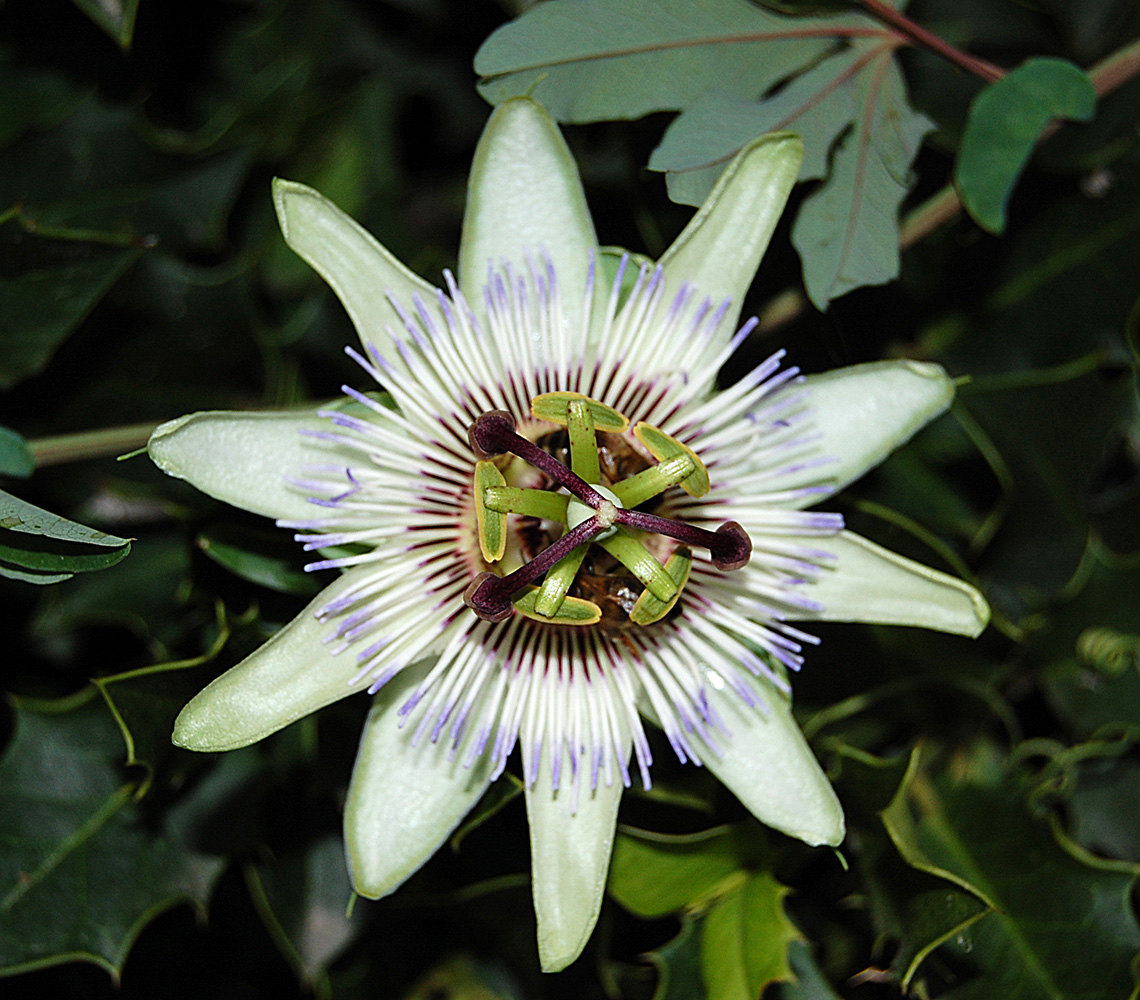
[598,59]
[38,546]
[847,230]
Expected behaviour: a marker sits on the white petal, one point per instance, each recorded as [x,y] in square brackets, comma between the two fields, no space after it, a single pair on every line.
[720,249]
[289,677]
[524,197]
[404,800]
[245,458]
[867,583]
[357,267]
[863,413]
[569,858]
[769,766]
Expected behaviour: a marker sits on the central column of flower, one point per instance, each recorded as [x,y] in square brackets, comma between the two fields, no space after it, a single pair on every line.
[592,514]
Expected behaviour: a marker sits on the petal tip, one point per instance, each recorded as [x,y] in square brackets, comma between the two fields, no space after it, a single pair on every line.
[982,613]
[285,194]
[195,730]
[555,953]
[158,445]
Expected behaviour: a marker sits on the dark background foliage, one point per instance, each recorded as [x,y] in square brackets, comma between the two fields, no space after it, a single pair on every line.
[992,788]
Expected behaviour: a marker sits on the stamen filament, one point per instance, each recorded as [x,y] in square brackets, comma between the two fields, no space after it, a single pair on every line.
[583,442]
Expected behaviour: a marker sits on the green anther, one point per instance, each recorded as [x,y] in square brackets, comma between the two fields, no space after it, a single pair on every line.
[555,407]
[583,442]
[663,447]
[648,608]
[640,562]
[574,610]
[534,503]
[491,525]
[557,582]
[649,482]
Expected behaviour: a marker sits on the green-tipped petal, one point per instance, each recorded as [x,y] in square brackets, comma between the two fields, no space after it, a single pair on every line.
[769,766]
[863,413]
[720,249]
[524,198]
[289,677]
[243,458]
[349,258]
[867,583]
[404,801]
[569,859]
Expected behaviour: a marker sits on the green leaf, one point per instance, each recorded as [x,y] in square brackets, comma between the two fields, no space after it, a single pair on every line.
[803,7]
[36,542]
[809,982]
[116,17]
[238,552]
[81,873]
[847,230]
[303,899]
[678,964]
[599,59]
[463,977]
[15,455]
[48,285]
[818,104]
[32,99]
[1093,682]
[1005,122]
[146,701]
[914,907]
[654,874]
[1051,905]
[139,595]
[745,939]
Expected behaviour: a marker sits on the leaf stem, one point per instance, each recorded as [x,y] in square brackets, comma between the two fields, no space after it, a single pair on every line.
[89,444]
[918,34]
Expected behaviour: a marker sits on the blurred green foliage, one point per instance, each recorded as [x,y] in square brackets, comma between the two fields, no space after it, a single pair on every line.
[991,788]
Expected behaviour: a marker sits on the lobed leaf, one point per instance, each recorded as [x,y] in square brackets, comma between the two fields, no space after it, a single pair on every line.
[847,229]
[1050,905]
[600,59]
[745,939]
[47,288]
[80,875]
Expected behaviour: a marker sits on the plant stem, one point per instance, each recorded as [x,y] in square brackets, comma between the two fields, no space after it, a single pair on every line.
[918,34]
[89,444]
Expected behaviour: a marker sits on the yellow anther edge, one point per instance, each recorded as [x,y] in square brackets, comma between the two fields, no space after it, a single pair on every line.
[491,526]
[661,446]
[555,408]
[648,608]
[574,610]
[583,441]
